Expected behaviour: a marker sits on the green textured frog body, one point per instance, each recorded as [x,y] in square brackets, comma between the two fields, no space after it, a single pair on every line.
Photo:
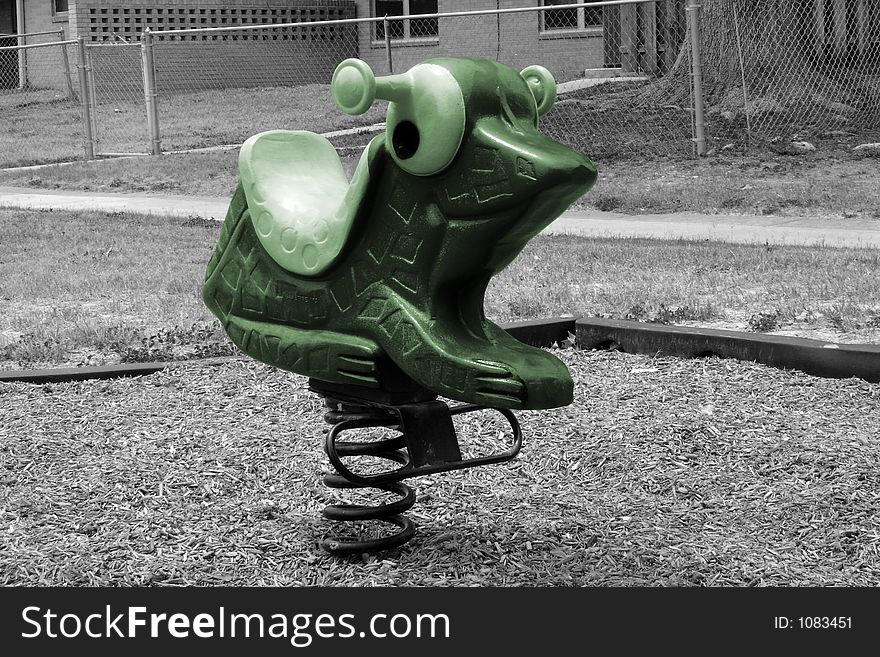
[361,282]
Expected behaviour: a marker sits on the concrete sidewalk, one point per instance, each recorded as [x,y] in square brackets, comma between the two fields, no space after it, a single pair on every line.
[744,229]
[209,207]
[729,228]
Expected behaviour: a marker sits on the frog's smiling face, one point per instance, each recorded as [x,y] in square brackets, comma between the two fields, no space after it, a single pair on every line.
[504,161]
[464,132]
[467,129]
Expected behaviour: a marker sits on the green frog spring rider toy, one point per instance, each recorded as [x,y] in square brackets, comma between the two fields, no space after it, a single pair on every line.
[374,288]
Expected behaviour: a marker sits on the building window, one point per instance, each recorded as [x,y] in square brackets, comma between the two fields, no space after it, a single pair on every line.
[571,18]
[410,28]
[59,6]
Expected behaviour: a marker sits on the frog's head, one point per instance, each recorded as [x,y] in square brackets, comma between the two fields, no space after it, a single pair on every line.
[468,129]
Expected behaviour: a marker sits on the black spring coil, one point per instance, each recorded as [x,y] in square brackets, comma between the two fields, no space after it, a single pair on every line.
[390,512]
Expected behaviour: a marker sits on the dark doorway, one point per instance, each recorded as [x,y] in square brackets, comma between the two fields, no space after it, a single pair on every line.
[8,58]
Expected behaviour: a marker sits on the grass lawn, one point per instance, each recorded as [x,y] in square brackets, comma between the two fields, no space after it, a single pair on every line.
[92,288]
[44,126]
[776,184]
[39,126]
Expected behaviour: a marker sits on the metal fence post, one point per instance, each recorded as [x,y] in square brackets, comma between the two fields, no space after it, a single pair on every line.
[83,74]
[93,98]
[742,72]
[22,63]
[150,94]
[693,10]
[386,23]
[65,60]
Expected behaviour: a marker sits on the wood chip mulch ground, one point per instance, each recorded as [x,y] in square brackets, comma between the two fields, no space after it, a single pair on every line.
[663,472]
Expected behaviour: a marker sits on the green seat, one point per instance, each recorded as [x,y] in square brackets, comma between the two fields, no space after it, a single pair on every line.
[300,200]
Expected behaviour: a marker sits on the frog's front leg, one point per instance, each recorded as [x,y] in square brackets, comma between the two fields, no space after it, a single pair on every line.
[445,357]
[326,355]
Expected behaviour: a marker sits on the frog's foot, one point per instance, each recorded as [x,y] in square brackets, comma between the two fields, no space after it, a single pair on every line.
[473,380]
[496,385]
[491,376]
[451,361]
[550,383]
[326,355]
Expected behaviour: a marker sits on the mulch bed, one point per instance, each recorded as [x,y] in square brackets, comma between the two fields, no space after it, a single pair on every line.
[663,472]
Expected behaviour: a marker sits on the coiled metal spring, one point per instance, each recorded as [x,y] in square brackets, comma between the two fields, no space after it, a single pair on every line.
[427,444]
[391,449]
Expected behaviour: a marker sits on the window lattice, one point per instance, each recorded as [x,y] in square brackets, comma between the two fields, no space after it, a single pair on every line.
[127,23]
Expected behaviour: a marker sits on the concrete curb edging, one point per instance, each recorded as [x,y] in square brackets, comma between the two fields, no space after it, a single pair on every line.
[817,357]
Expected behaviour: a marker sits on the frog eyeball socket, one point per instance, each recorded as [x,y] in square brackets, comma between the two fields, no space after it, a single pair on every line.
[425,129]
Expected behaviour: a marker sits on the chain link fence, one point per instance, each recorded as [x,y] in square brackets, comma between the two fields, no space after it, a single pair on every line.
[765,74]
[119,115]
[611,61]
[249,79]
[41,113]
[634,105]
[777,72]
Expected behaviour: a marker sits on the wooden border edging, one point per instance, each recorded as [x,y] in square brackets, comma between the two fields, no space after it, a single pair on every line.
[66,374]
[541,332]
[536,332]
[817,357]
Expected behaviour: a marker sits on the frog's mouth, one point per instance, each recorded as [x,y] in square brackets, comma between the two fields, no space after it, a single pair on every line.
[521,174]
[503,165]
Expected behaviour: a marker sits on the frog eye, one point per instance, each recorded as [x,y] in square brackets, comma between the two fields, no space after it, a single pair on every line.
[542,85]
[426,115]
[353,86]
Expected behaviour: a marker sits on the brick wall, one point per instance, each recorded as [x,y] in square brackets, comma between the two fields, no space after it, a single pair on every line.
[43,66]
[252,58]
[99,20]
[192,66]
[515,39]
[263,58]
[38,17]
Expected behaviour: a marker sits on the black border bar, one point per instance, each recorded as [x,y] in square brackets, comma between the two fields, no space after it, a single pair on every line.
[817,357]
